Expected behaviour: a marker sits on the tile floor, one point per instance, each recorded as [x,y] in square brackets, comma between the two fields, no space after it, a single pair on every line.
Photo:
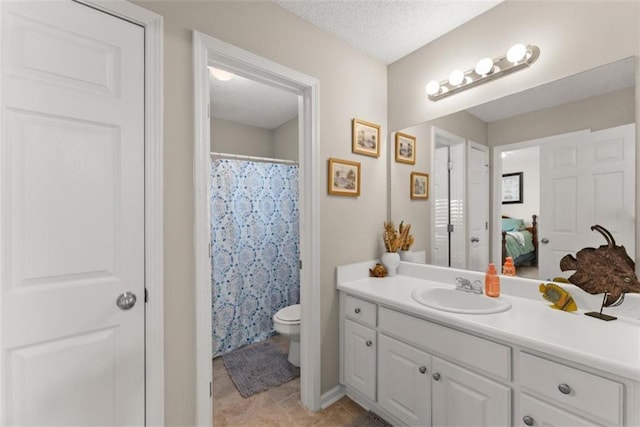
[278,407]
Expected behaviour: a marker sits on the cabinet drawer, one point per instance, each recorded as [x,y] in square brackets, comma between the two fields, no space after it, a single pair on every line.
[486,355]
[586,393]
[537,413]
[362,311]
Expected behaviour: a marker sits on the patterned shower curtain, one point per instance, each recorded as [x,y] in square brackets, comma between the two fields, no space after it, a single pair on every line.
[255,259]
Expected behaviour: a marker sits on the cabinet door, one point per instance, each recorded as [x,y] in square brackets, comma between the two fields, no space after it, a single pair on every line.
[404,381]
[533,412]
[360,358]
[464,398]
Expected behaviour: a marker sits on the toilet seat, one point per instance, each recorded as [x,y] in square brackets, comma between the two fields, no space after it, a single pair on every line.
[290,314]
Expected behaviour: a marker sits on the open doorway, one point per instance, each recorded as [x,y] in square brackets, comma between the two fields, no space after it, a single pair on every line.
[210,52]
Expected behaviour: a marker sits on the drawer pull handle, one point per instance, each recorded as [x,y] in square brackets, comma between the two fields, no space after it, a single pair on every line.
[422,369]
[564,388]
[357,310]
[528,420]
[368,343]
[436,376]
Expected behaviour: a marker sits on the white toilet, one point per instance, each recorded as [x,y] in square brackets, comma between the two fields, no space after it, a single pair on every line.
[287,323]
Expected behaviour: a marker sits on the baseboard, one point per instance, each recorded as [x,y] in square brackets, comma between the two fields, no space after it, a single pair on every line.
[332,396]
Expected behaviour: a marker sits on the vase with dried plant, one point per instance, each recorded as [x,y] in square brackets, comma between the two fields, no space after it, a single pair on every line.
[394,241]
[407,240]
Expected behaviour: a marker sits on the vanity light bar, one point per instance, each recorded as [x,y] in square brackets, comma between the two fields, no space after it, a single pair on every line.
[517,58]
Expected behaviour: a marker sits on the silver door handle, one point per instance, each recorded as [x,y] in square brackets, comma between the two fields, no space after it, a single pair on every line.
[544,240]
[126,300]
[474,240]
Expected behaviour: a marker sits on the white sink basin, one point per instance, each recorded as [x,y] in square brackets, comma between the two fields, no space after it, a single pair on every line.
[455,301]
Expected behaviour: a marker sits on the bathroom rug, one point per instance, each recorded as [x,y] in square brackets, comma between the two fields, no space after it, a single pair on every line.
[259,367]
[368,419]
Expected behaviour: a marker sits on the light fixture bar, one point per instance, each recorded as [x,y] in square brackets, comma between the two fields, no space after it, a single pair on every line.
[517,58]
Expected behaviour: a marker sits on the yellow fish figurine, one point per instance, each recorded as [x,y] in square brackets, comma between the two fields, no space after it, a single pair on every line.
[560,298]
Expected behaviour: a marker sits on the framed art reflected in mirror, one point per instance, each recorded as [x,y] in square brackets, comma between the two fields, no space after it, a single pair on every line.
[419,185]
[512,188]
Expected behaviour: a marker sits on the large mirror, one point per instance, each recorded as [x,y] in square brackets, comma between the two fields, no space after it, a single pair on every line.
[564,152]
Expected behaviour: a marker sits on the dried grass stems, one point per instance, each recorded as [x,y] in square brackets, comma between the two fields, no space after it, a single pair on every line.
[395,240]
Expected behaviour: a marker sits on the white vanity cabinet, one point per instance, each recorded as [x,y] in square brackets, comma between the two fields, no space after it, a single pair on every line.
[413,386]
[359,346]
[464,398]
[585,399]
[404,381]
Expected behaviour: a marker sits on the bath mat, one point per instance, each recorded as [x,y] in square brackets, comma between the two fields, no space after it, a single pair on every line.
[369,419]
[259,367]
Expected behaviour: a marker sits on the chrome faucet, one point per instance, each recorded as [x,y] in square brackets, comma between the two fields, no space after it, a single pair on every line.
[466,285]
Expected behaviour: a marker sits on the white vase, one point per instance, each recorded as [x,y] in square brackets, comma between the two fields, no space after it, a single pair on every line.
[406,255]
[391,261]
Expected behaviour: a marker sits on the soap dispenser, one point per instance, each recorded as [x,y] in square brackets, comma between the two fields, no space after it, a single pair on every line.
[508,269]
[492,282]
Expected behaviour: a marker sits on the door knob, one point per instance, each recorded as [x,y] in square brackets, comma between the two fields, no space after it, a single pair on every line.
[544,240]
[126,300]
[369,343]
[422,369]
[436,376]
[564,388]
[474,240]
[357,310]
[528,420]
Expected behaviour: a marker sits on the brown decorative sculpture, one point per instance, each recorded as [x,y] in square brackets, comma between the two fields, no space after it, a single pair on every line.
[378,271]
[606,269]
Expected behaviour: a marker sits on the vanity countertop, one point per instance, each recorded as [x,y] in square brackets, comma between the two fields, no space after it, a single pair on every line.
[612,347]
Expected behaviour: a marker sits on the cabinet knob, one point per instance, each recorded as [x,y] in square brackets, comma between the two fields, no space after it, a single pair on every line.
[422,369]
[357,310]
[436,376]
[368,343]
[564,388]
[528,420]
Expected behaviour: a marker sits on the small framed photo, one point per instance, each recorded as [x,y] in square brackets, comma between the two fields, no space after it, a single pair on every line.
[405,148]
[366,138]
[344,177]
[419,185]
[512,188]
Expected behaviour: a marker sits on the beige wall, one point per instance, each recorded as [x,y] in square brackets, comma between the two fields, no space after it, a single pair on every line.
[285,140]
[595,113]
[237,138]
[351,85]
[573,36]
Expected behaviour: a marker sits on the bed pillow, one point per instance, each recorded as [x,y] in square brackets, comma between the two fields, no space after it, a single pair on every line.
[512,224]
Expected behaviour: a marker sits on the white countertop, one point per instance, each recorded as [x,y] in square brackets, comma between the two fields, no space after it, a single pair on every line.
[612,347]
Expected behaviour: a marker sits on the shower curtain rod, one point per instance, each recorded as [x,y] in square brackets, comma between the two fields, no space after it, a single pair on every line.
[253,158]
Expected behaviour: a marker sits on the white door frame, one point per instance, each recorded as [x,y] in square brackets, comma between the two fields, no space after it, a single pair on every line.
[153,187]
[495,238]
[210,51]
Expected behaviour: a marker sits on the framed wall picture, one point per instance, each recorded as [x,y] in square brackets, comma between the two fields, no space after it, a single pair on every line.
[512,188]
[405,148]
[366,138]
[344,177]
[419,185]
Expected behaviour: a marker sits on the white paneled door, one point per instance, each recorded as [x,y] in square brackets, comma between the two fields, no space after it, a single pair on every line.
[478,206]
[72,216]
[586,180]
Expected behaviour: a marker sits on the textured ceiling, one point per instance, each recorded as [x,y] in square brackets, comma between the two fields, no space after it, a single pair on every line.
[246,101]
[387,30]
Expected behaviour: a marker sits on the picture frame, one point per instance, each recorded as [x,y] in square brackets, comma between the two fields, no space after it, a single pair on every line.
[405,148]
[419,186]
[512,188]
[343,177]
[365,138]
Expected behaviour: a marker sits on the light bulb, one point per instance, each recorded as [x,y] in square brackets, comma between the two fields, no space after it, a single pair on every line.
[516,53]
[432,87]
[484,66]
[456,77]
[221,75]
